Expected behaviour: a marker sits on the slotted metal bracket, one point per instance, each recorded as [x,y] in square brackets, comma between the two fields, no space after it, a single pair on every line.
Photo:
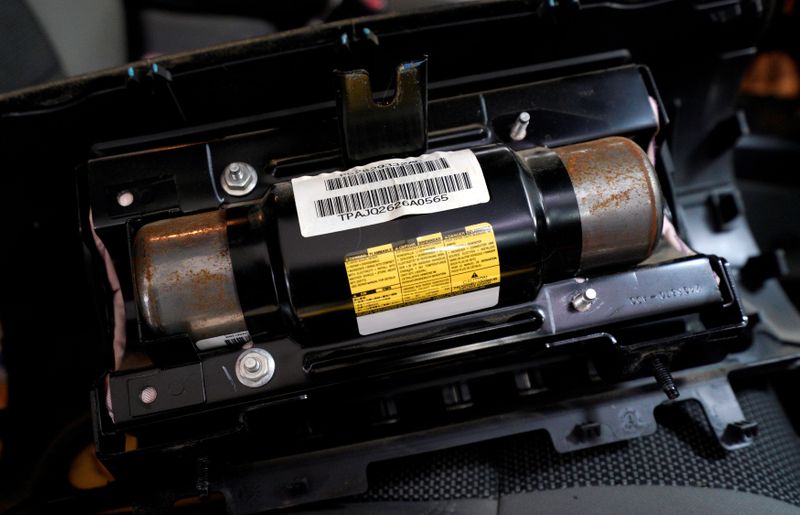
[370,130]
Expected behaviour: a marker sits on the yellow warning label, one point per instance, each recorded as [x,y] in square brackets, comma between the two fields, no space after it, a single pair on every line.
[426,268]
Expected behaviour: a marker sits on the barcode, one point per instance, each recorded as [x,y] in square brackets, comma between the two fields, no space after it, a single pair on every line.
[390,194]
[386,172]
[237,340]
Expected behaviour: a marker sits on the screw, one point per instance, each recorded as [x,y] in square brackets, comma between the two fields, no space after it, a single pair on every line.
[520,128]
[583,301]
[255,367]
[148,395]
[251,364]
[239,179]
[235,171]
[663,377]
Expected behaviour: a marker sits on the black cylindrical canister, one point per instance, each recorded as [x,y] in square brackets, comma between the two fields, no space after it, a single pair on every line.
[405,241]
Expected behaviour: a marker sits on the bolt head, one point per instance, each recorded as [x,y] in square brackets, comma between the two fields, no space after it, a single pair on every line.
[239,179]
[255,367]
[519,130]
[251,364]
[583,301]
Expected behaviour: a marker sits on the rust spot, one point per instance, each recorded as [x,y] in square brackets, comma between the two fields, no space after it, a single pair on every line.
[612,181]
[612,200]
[605,171]
[186,261]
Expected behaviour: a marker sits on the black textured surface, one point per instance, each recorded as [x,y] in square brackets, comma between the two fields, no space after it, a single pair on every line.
[683,452]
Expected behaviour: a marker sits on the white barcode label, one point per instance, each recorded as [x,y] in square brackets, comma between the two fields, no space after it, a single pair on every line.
[383,191]
[225,340]
[384,172]
[391,194]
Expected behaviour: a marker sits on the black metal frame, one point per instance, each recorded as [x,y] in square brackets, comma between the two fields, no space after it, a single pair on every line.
[278,87]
